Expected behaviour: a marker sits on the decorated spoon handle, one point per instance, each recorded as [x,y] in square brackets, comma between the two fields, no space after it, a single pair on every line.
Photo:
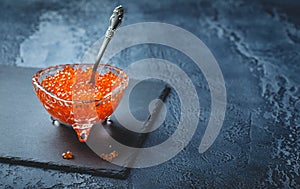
[114,21]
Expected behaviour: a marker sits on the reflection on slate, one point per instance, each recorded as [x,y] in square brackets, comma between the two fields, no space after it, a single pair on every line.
[29,138]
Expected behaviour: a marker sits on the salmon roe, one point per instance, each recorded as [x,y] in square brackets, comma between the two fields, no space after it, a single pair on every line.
[72,99]
[70,83]
[67,155]
[109,157]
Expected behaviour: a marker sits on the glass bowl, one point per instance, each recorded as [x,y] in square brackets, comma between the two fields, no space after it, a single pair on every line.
[68,96]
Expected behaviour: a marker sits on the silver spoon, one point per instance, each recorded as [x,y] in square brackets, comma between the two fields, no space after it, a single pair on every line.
[114,21]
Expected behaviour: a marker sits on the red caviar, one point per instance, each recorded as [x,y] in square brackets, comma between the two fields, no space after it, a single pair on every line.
[67,155]
[109,157]
[72,99]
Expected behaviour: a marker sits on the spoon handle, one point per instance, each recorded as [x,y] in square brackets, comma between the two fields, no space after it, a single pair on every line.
[114,21]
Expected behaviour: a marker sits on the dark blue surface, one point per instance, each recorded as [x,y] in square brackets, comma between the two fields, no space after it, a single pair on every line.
[256,44]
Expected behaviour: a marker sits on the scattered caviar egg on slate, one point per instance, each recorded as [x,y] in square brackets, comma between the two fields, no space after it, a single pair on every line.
[67,155]
[109,157]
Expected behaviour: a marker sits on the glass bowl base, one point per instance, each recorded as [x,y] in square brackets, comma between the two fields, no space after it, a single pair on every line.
[82,132]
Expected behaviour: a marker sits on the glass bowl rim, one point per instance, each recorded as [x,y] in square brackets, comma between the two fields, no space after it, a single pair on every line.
[38,85]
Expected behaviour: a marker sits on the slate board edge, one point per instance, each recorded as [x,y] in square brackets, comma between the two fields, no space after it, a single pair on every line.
[123,174]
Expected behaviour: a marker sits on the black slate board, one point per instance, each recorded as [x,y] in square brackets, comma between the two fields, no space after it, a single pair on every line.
[29,138]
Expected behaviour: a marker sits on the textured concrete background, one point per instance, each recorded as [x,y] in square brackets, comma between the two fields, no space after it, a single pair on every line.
[256,44]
